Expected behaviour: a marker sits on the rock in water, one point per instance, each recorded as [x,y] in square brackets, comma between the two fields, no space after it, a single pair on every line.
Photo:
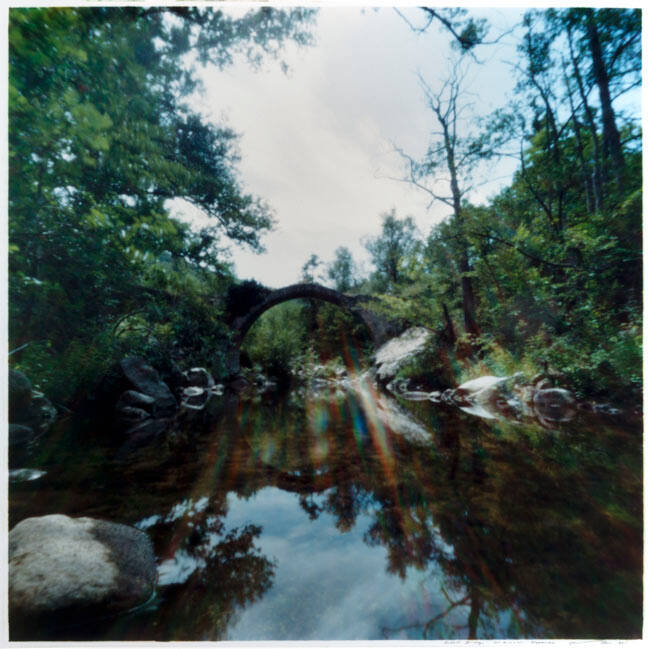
[554,404]
[198,377]
[25,475]
[132,407]
[195,398]
[145,379]
[44,412]
[481,390]
[65,570]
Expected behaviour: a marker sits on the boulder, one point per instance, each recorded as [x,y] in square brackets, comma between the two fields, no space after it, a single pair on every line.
[20,396]
[146,380]
[554,404]
[25,475]
[397,352]
[28,408]
[43,412]
[133,407]
[132,398]
[147,434]
[22,444]
[483,387]
[129,415]
[198,377]
[21,435]
[65,570]
[195,398]
[513,397]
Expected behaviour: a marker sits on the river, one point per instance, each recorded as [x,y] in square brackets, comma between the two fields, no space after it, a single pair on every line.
[344,514]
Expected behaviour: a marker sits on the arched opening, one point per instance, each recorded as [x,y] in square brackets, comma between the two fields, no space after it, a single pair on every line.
[301,334]
[256,302]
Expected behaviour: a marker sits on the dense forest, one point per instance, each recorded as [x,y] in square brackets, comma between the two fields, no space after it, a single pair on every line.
[547,275]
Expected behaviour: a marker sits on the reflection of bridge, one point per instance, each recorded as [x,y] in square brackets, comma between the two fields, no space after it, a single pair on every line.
[381,327]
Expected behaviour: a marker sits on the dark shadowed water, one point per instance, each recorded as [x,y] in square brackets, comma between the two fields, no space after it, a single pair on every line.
[347,515]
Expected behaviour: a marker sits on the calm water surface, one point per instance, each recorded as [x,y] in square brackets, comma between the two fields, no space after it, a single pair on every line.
[348,515]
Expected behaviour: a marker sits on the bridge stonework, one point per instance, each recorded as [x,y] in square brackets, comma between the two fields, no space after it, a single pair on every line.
[381,328]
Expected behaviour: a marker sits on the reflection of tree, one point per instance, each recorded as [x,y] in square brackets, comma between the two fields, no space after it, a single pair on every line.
[227,572]
[427,626]
[508,520]
[234,574]
[542,525]
[546,525]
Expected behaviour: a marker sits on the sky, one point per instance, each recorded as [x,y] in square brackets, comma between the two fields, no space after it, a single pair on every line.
[318,144]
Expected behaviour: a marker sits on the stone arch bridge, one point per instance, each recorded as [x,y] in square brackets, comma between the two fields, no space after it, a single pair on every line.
[381,327]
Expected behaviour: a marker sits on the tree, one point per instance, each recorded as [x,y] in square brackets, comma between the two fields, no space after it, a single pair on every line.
[467,32]
[342,270]
[610,40]
[308,269]
[446,172]
[392,251]
[100,138]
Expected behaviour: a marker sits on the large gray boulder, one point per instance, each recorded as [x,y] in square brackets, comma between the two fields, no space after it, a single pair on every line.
[146,380]
[397,352]
[65,570]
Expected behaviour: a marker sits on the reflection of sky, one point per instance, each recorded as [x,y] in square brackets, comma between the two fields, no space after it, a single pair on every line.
[328,585]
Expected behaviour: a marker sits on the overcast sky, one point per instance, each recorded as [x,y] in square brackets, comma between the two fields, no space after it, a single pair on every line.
[317,144]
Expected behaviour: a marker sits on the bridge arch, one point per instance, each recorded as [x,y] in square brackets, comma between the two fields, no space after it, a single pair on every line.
[380,327]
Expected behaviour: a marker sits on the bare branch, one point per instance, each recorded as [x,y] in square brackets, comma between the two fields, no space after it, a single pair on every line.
[426,626]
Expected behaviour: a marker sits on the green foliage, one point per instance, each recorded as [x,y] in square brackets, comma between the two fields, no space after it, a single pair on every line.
[301,333]
[308,270]
[555,260]
[277,339]
[178,318]
[243,296]
[100,139]
[392,251]
[342,270]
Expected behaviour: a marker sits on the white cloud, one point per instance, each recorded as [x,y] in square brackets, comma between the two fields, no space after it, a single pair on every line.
[316,144]
[328,585]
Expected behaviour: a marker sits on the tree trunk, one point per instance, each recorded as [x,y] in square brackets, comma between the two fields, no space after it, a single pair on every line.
[597,172]
[469,306]
[451,333]
[612,148]
[581,155]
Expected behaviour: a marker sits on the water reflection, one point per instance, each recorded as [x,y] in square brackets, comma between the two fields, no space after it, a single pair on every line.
[350,515]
